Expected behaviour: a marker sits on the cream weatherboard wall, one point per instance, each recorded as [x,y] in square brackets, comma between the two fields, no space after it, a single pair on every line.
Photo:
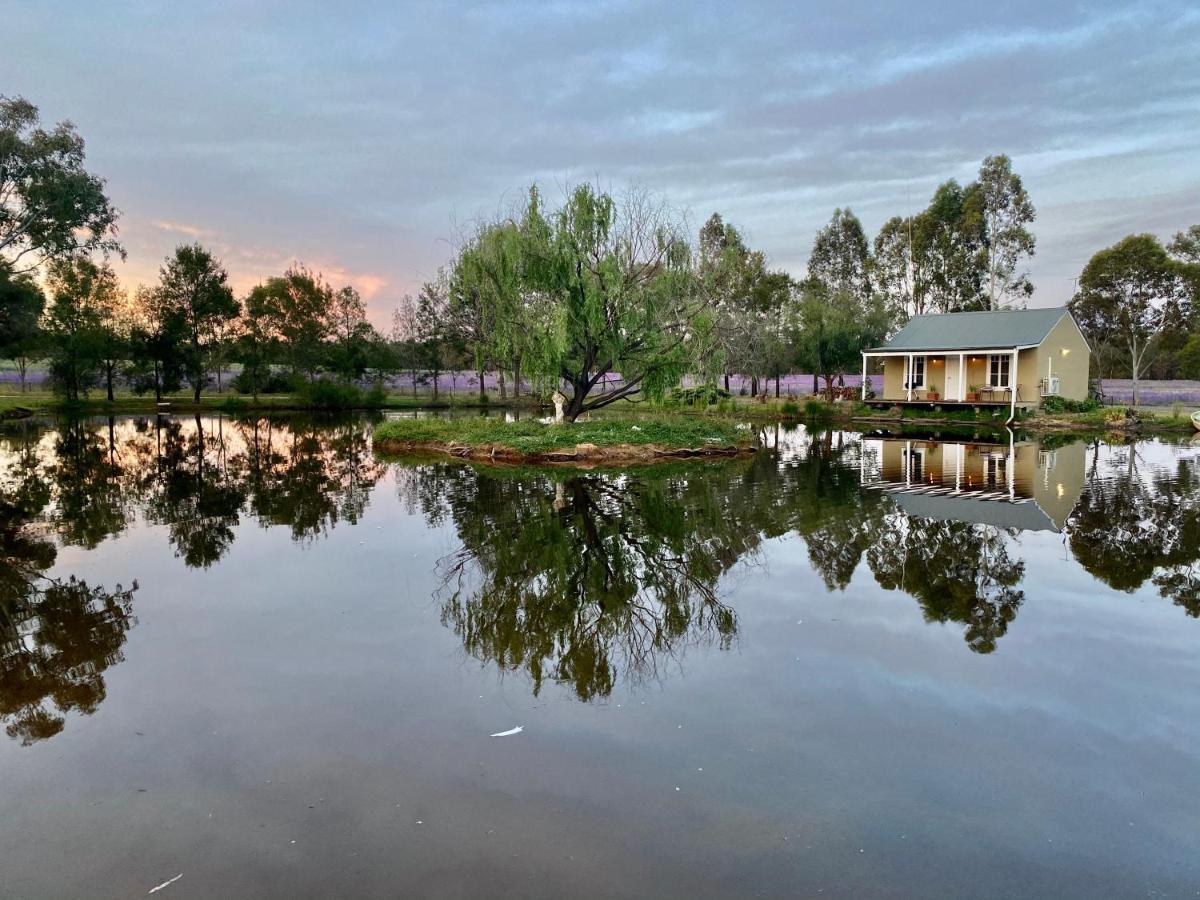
[1065,353]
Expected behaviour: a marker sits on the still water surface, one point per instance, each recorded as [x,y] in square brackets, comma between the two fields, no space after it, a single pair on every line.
[256,655]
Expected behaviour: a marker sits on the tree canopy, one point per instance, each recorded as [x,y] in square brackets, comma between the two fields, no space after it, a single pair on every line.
[51,207]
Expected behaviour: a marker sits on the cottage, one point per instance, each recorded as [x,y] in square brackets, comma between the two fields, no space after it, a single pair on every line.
[1012,358]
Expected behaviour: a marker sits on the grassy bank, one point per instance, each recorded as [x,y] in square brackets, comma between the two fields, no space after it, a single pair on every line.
[615,439]
[41,401]
[1156,420]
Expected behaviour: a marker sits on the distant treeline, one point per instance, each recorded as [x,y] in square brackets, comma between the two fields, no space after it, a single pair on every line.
[603,298]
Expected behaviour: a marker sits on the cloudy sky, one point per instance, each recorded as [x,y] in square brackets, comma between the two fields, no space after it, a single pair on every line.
[361,138]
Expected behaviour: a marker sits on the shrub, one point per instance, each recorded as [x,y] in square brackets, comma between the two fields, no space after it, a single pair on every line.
[376,397]
[272,383]
[325,394]
[791,409]
[235,405]
[815,409]
[1063,404]
[704,394]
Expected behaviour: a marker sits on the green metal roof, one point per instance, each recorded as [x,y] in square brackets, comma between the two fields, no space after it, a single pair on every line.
[976,330]
[1024,516]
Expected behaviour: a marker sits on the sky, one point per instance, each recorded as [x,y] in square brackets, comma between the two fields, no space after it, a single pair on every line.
[364,139]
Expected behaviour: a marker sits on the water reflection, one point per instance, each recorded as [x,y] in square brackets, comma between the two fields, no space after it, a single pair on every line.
[580,578]
[84,481]
[57,637]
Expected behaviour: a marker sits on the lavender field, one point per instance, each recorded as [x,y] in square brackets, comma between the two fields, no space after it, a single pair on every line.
[464,384]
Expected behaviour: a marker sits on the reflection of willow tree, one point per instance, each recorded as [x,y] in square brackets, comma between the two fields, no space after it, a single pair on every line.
[1129,528]
[584,578]
[56,637]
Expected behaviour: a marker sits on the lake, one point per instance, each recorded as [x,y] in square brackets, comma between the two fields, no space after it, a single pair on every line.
[252,654]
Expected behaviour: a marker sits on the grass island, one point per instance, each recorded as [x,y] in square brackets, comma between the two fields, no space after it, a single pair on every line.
[596,441]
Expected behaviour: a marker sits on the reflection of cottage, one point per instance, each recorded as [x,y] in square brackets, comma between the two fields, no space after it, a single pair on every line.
[1011,485]
[1010,358]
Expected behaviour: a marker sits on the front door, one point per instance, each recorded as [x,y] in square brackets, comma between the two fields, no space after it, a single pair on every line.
[952,375]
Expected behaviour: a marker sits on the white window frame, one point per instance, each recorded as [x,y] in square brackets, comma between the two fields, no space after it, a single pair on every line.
[1005,361]
[924,367]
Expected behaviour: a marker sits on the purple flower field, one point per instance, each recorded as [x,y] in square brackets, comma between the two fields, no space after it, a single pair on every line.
[1117,390]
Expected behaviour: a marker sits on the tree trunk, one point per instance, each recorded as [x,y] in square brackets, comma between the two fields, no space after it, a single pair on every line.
[196,390]
[776,387]
[482,384]
[816,387]
[435,386]
[726,381]
[517,378]
[157,383]
[108,377]
[500,382]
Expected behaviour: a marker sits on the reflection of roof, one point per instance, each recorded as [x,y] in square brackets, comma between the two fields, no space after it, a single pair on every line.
[976,330]
[1022,514]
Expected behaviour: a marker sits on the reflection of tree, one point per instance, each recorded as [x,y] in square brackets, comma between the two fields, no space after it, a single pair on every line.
[957,571]
[1130,527]
[87,476]
[195,491]
[56,638]
[308,475]
[56,645]
[585,578]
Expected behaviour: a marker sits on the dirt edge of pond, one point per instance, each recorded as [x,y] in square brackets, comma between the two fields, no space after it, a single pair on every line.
[580,453]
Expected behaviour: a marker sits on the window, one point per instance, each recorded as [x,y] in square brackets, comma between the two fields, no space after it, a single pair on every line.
[917,379]
[999,374]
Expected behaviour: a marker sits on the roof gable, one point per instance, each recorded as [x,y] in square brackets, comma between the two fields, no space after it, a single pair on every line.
[977,330]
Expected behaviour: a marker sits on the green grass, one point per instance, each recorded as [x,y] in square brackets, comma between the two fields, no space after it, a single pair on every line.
[41,400]
[533,437]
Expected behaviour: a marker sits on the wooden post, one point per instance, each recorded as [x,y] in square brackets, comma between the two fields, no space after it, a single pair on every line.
[962,378]
[908,377]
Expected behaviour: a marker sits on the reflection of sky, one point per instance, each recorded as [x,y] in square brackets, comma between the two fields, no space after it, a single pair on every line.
[361,138]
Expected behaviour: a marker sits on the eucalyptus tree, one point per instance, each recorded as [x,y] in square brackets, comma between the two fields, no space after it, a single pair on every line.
[1007,213]
[155,345]
[833,327]
[295,310]
[21,306]
[899,270]
[1129,294]
[953,238]
[51,207]
[197,300]
[841,256]
[609,288]
[80,292]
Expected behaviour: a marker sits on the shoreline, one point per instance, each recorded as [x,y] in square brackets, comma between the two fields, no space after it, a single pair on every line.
[580,453]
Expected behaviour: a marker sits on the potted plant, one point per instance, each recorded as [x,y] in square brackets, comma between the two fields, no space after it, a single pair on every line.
[932,394]
[973,392]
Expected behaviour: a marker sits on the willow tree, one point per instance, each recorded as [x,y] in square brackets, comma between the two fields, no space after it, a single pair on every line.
[608,288]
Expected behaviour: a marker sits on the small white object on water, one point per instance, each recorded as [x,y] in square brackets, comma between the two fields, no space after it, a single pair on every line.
[510,732]
[166,883]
